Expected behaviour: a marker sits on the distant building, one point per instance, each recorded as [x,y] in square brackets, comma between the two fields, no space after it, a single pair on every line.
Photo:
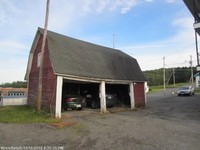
[13,91]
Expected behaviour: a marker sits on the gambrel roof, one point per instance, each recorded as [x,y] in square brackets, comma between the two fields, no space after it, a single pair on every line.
[73,57]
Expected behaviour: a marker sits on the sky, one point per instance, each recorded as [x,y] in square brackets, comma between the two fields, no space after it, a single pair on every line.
[147,30]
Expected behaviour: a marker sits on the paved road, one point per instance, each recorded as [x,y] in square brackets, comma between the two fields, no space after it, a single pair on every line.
[173,106]
[168,122]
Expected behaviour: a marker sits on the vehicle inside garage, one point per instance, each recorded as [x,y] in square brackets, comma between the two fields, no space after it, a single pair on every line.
[122,93]
[116,94]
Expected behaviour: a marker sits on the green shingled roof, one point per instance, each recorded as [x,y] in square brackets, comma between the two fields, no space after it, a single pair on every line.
[74,57]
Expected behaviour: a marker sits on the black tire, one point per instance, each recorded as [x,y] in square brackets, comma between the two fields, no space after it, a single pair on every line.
[80,109]
[94,105]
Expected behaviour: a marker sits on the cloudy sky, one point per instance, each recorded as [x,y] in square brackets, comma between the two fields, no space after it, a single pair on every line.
[147,30]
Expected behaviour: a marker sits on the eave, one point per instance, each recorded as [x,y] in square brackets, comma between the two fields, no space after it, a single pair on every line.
[194,8]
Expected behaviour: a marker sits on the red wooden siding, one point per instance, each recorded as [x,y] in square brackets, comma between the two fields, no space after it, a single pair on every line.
[48,79]
[139,94]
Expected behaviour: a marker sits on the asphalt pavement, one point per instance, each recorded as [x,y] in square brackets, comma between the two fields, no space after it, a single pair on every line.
[168,122]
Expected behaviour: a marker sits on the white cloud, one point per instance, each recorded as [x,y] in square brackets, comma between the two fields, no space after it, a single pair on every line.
[7,9]
[128,5]
[167,1]
[177,49]
[177,59]
[185,31]
[11,47]
[12,70]
[122,5]
[64,15]
[19,21]
[172,1]
[149,0]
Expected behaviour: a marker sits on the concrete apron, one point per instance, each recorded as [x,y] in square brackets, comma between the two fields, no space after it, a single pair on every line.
[89,111]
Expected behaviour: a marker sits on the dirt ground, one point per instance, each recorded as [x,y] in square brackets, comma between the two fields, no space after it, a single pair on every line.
[168,122]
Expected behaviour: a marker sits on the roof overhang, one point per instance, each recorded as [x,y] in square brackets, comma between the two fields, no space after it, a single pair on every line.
[194,7]
[96,80]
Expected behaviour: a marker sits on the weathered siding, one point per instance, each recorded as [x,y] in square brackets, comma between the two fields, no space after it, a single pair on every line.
[139,94]
[48,79]
[33,76]
[49,82]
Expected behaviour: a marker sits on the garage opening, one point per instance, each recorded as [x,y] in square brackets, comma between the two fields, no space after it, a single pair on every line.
[121,91]
[86,91]
[116,94]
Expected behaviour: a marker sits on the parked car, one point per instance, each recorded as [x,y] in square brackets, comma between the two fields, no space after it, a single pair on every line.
[186,90]
[70,102]
[94,102]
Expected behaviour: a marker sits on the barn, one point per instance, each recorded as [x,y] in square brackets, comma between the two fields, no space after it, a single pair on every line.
[72,65]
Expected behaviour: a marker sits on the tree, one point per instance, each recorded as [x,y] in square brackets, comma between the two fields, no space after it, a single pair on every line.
[155,77]
[15,84]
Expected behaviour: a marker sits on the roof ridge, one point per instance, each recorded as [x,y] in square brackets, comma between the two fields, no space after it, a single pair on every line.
[59,34]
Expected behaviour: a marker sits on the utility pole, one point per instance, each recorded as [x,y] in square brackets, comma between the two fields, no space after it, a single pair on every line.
[164,88]
[191,69]
[174,78]
[39,100]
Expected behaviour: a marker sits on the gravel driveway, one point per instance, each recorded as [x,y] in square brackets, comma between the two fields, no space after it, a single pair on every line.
[168,122]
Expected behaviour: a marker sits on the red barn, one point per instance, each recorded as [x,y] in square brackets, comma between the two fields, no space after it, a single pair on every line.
[73,65]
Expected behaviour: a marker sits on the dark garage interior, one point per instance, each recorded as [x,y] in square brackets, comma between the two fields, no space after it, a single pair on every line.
[91,90]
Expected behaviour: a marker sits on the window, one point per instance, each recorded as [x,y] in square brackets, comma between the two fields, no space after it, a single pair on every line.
[39,59]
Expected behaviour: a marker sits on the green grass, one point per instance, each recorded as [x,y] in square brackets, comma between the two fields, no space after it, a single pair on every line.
[23,114]
[197,90]
[153,89]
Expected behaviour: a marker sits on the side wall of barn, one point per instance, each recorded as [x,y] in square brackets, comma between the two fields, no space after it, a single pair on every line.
[139,94]
[48,79]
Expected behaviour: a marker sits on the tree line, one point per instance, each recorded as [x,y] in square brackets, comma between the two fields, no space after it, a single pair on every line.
[179,75]
[15,84]
[154,77]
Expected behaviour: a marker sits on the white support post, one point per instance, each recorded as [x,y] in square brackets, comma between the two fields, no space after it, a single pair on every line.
[131,93]
[58,96]
[102,95]
[145,94]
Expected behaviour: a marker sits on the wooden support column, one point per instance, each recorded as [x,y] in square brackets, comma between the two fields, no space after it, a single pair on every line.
[58,96]
[131,93]
[102,95]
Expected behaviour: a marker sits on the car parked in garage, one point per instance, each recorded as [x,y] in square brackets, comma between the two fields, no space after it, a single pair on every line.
[94,101]
[73,101]
[186,90]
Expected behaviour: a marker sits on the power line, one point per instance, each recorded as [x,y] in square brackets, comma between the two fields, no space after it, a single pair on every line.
[169,55]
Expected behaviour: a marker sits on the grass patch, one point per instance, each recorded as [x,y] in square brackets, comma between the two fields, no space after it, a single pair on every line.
[24,114]
[197,90]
